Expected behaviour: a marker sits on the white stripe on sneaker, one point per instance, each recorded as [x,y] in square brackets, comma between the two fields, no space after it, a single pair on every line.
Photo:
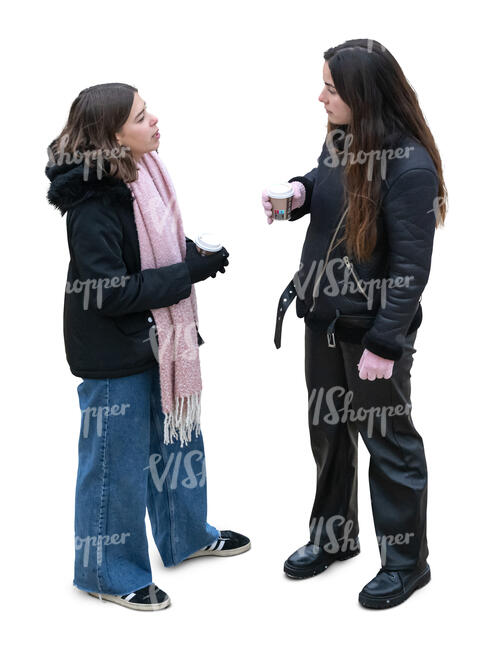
[221,545]
[130,596]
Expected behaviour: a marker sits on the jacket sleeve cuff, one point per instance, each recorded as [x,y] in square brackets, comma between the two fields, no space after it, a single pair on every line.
[384,350]
[305,208]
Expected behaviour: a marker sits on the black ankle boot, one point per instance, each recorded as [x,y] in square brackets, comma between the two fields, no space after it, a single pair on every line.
[310,560]
[390,588]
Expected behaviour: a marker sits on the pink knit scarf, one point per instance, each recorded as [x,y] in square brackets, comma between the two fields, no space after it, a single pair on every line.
[161,243]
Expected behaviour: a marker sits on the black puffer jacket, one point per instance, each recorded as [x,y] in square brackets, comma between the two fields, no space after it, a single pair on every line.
[108,326]
[383,293]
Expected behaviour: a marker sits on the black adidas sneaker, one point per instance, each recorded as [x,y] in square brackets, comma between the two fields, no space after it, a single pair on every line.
[228,543]
[145,599]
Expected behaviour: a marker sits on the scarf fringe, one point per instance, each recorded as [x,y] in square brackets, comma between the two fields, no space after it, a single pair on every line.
[180,422]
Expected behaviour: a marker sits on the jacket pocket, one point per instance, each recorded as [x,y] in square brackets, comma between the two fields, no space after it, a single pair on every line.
[133,323]
[356,320]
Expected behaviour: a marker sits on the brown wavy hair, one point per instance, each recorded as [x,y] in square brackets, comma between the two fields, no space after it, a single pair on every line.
[383,107]
[95,116]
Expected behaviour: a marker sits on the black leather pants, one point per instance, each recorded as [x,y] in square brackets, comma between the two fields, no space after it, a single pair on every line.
[341,405]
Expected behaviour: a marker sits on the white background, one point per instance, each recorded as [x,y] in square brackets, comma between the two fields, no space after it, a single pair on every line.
[235,87]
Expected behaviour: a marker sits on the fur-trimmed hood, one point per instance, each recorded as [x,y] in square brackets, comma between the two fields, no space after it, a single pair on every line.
[69,186]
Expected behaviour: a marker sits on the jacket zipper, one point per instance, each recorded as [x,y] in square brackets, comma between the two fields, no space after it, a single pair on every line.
[349,265]
[326,261]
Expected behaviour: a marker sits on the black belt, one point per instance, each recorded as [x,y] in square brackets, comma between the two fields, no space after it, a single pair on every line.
[287,297]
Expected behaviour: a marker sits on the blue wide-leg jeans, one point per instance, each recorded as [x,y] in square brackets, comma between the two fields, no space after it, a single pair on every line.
[125,468]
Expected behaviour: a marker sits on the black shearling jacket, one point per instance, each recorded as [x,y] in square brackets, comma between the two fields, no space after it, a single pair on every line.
[109,330]
[380,298]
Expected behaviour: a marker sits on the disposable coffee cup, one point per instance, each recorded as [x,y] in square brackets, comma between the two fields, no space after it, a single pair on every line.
[281,197]
[207,243]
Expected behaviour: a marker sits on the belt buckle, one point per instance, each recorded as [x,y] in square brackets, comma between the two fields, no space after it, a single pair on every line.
[331,337]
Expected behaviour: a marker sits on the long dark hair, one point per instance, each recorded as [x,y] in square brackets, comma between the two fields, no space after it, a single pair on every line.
[97,113]
[383,107]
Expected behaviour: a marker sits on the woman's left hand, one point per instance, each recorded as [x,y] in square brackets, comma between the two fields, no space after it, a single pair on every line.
[372,366]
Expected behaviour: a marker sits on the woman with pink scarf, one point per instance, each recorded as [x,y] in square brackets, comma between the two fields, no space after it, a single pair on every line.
[131,333]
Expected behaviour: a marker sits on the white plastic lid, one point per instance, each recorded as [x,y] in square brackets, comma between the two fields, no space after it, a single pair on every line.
[280,191]
[208,241]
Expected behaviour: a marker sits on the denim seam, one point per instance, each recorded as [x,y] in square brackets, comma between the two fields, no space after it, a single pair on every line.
[103,495]
[151,487]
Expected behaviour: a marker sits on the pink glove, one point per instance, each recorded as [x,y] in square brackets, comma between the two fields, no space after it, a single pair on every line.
[298,199]
[372,366]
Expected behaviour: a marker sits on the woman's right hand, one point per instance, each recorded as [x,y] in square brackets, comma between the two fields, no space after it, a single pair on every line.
[298,200]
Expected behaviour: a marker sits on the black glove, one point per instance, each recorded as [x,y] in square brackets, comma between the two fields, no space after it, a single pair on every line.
[202,266]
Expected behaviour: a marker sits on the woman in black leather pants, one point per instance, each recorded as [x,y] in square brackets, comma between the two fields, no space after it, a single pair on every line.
[375,199]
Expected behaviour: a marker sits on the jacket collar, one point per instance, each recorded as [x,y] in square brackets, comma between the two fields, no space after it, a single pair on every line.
[72,183]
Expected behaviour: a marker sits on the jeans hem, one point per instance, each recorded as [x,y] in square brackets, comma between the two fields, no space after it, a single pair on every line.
[194,549]
[109,593]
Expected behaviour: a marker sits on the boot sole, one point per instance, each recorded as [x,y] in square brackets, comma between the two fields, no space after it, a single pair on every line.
[301,574]
[385,603]
[138,606]
[221,553]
